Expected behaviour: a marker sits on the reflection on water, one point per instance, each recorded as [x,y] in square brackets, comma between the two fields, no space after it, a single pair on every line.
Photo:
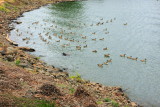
[78,28]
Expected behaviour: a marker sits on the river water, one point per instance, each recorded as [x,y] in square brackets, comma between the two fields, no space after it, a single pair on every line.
[130,27]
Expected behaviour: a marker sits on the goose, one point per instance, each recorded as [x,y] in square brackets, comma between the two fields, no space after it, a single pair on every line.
[109,60]
[100,65]
[105,63]
[94,51]
[123,55]
[66,38]
[105,48]
[55,34]
[129,57]
[60,37]
[101,39]
[78,47]
[58,41]
[143,60]
[94,33]
[125,24]
[85,46]
[106,55]
[72,40]
[94,39]
[84,37]
[134,58]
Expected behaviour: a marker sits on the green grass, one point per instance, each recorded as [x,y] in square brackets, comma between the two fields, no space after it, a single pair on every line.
[115,104]
[72,90]
[17,62]
[107,99]
[28,102]
[77,77]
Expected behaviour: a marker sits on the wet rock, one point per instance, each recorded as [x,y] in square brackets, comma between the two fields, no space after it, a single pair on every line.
[133,104]
[23,65]
[49,90]
[18,22]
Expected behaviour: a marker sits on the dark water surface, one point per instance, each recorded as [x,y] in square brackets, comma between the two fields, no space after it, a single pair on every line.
[75,20]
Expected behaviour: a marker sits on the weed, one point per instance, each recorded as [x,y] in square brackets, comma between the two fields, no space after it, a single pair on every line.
[17,62]
[107,99]
[72,90]
[115,104]
[77,77]
[99,102]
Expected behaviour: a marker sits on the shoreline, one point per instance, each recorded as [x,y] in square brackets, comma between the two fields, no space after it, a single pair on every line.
[83,93]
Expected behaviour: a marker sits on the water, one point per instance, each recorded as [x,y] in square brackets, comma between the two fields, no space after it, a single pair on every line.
[139,38]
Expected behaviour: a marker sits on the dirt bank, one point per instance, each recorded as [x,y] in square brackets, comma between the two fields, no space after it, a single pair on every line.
[27,81]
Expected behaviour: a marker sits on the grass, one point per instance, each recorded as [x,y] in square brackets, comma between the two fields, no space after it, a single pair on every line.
[4,9]
[107,99]
[17,62]
[114,104]
[76,77]
[28,102]
[72,90]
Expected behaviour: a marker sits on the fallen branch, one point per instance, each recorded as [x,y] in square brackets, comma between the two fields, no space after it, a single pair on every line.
[11,42]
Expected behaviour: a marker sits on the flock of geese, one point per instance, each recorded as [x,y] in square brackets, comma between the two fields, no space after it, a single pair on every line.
[67,35]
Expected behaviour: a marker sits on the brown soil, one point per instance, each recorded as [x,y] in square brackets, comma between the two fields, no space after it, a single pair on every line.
[25,76]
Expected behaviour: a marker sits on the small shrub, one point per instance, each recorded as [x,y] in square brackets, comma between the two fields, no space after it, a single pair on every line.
[107,99]
[115,104]
[72,90]
[17,62]
[77,77]
[99,102]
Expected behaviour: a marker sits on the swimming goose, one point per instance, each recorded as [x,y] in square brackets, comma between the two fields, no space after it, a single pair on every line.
[58,41]
[143,60]
[105,48]
[105,63]
[123,55]
[129,57]
[84,37]
[100,65]
[101,39]
[85,46]
[109,60]
[134,58]
[106,55]
[125,24]
[94,39]
[94,51]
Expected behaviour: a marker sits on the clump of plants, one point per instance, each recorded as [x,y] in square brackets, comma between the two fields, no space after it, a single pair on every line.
[76,77]
[17,62]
